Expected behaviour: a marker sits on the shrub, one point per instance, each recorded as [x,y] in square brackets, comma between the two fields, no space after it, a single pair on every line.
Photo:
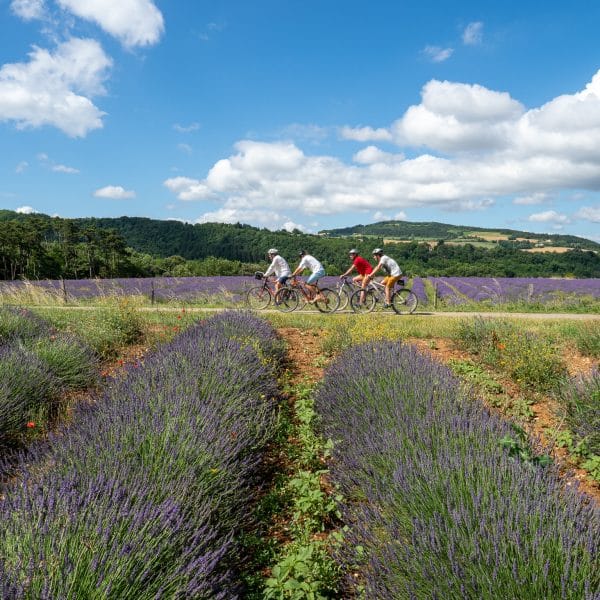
[73,364]
[580,397]
[124,320]
[587,340]
[530,360]
[27,391]
[113,327]
[20,323]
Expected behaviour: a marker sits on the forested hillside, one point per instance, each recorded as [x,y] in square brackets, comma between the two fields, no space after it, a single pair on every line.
[39,246]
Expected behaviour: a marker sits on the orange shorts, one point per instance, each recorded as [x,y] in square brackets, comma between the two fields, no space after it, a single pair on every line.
[390,281]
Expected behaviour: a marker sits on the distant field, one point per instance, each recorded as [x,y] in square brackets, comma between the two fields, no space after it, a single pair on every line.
[554,249]
[534,294]
[490,236]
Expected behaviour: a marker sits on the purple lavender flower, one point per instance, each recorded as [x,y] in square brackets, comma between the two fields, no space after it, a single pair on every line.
[439,508]
[150,484]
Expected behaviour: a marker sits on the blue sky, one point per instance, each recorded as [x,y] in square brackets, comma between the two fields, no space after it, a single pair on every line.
[311,114]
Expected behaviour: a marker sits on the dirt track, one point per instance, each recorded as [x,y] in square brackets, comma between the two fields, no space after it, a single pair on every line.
[514,315]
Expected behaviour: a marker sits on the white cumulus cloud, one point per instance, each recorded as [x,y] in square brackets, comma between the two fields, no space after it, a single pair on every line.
[589,213]
[437,54]
[53,88]
[114,192]
[186,128]
[28,10]
[473,33]
[187,188]
[373,155]
[26,210]
[65,169]
[478,147]
[133,22]
[365,134]
[549,216]
[265,218]
[535,198]
[455,117]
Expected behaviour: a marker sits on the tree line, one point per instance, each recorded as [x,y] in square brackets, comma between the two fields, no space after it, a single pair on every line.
[43,247]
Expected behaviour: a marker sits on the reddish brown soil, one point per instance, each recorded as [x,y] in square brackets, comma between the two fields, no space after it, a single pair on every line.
[304,354]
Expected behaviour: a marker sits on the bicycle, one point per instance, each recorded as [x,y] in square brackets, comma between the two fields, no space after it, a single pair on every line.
[260,296]
[288,297]
[345,289]
[403,300]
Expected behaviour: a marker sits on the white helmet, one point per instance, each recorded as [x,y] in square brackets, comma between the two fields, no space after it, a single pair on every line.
[353,251]
[378,251]
[273,251]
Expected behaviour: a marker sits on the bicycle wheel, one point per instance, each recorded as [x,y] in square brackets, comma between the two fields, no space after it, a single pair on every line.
[344,296]
[366,306]
[258,297]
[404,301]
[331,302]
[287,300]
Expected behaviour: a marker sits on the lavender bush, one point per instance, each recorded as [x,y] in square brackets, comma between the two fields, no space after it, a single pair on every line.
[27,391]
[438,507]
[580,397]
[73,364]
[20,323]
[156,477]
[37,365]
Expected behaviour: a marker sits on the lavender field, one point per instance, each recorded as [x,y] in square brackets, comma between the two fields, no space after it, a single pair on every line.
[502,290]
[404,484]
[439,292]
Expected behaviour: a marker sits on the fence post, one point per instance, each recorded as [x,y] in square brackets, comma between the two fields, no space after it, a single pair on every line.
[152,293]
[435,295]
[63,287]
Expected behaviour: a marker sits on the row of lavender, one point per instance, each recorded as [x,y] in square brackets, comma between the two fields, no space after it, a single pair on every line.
[500,290]
[37,366]
[450,290]
[437,508]
[143,495]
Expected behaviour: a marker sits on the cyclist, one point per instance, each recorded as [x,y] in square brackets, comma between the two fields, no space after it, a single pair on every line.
[362,265]
[316,272]
[279,267]
[392,273]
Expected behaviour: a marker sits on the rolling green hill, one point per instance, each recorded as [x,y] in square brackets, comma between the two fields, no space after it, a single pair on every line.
[429,231]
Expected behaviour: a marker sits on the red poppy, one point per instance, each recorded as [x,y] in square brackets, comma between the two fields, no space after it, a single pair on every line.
[30,424]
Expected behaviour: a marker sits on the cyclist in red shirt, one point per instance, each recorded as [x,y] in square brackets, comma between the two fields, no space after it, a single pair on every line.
[362,265]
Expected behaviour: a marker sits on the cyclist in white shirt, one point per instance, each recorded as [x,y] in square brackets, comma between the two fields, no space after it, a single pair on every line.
[392,273]
[278,267]
[316,272]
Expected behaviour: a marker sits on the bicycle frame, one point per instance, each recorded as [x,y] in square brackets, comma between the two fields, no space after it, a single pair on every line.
[287,298]
[402,300]
[261,295]
[347,284]
[301,285]
[345,288]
